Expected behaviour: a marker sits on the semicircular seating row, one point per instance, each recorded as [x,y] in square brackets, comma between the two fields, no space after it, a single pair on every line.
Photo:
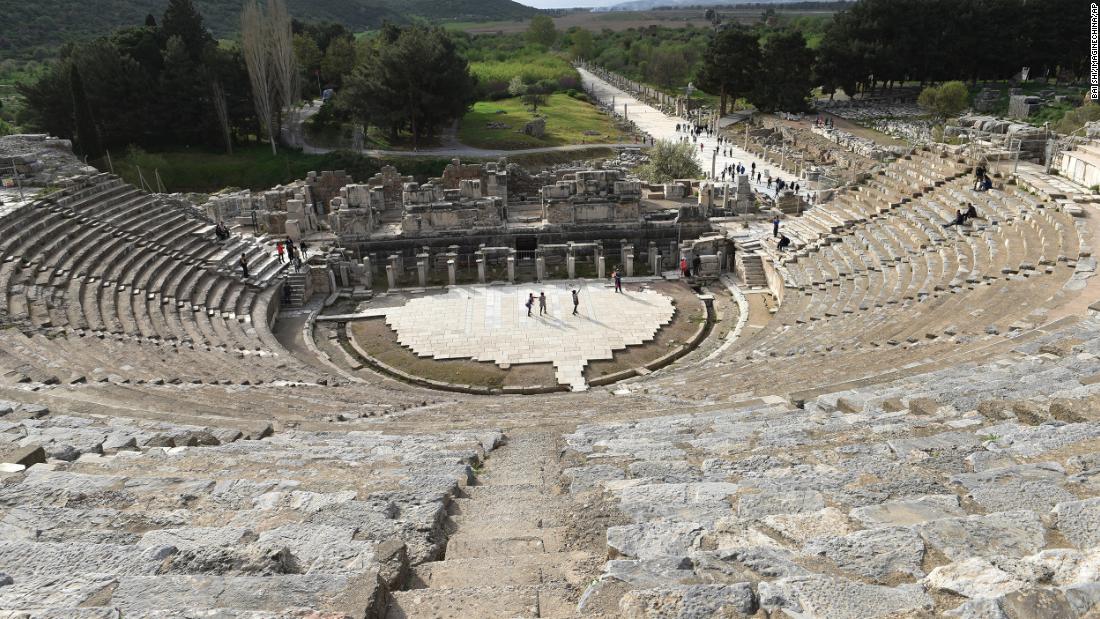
[142,277]
[880,281]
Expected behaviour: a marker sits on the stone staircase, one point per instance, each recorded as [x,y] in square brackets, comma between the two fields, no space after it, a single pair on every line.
[752,270]
[296,282]
[507,554]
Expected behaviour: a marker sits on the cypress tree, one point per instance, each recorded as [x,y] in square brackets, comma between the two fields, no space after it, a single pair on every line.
[87,136]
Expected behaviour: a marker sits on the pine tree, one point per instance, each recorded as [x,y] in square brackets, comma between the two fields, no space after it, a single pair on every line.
[182,20]
[731,65]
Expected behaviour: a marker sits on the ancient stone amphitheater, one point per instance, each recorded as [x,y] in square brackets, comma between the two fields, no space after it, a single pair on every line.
[912,431]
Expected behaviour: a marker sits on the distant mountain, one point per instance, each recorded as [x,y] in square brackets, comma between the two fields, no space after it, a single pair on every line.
[649,5]
[40,26]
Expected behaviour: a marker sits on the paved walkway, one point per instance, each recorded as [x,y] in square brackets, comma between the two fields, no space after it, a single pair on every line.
[296,136]
[491,324]
[663,127]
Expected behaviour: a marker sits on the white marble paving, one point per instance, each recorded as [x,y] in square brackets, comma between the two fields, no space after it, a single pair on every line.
[490,323]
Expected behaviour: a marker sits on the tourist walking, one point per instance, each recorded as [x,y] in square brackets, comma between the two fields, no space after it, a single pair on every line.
[576,301]
[775,227]
[244,265]
[530,303]
[618,278]
[542,303]
[303,248]
[279,251]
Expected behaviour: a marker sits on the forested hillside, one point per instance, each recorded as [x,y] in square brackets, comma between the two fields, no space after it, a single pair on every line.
[40,27]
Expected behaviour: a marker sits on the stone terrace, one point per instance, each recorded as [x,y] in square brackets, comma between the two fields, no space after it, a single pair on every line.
[968,492]
[167,520]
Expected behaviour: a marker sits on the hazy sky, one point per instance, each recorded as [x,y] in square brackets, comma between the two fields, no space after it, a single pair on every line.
[566,4]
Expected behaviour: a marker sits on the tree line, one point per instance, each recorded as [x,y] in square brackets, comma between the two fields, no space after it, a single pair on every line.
[168,84]
[158,84]
[883,42]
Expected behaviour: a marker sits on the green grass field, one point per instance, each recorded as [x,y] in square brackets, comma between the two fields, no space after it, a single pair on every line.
[530,68]
[567,121]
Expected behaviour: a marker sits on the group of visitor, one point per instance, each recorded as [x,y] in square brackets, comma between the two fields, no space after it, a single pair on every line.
[531,298]
[295,254]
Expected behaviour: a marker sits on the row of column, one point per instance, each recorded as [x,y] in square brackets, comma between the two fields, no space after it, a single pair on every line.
[396,266]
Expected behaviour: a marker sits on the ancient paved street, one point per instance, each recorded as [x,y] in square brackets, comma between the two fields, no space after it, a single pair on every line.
[663,127]
[491,324]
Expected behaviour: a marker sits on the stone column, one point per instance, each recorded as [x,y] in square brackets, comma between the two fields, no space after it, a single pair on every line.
[721,261]
[571,264]
[391,276]
[540,268]
[368,272]
[511,269]
[396,263]
[451,279]
[628,263]
[655,261]
[601,266]
[481,270]
[422,270]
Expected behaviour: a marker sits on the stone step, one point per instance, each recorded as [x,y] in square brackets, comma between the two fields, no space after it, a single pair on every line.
[500,602]
[504,492]
[473,509]
[488,602]
[499,476]
[497,542]
[527,519]
[502,571]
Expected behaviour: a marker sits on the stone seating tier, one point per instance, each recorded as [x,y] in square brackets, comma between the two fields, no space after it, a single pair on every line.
[963,491]
[142,516]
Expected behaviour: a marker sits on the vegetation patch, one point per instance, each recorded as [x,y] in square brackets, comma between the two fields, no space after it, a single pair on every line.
[499,124]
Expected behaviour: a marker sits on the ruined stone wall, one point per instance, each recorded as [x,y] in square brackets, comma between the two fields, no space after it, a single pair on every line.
[351,223]
[325,186]
[557,213]
[390,184]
